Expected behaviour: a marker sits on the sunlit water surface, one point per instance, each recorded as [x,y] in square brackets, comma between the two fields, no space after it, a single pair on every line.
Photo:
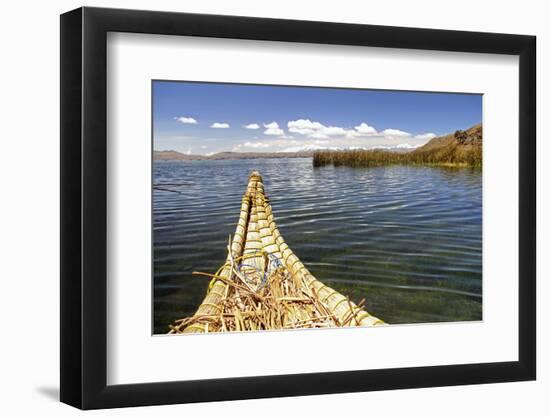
[406,239]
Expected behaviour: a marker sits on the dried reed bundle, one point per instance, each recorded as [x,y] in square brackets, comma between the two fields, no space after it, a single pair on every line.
[264,286]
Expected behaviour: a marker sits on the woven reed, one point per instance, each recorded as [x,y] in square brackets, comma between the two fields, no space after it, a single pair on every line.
[264,286]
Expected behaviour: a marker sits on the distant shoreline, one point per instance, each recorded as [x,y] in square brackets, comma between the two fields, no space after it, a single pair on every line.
[178,156]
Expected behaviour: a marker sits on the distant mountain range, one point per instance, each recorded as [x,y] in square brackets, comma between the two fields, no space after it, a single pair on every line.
[178,156]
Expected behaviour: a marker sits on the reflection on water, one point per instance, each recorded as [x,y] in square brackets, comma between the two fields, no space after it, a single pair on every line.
[407,239]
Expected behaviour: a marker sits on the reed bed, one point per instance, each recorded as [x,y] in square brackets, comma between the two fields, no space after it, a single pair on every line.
[453,155]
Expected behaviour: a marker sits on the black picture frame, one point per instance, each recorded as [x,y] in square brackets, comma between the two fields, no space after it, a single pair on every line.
[84,207]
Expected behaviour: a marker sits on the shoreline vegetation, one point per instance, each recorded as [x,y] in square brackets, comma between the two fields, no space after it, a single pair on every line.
[460,149]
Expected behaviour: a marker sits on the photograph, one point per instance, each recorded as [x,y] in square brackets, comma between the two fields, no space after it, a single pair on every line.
[302,207]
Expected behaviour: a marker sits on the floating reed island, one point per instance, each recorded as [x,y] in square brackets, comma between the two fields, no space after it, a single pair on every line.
[263,285]
[463,148]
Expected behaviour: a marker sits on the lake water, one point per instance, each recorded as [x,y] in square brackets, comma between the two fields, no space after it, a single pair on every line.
[407,239]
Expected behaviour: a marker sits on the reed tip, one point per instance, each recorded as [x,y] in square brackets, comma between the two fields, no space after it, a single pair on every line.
[255,175]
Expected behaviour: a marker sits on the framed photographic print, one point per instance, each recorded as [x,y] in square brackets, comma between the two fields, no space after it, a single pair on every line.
[257,207]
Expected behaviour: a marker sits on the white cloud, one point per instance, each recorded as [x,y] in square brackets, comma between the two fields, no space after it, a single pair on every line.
[256,145]
[317,130]
[304,126]
[251,145]
[352,134]
[272,129]
[186,120]
[307,143]
[395,132]
[307,148]
[425,136]
[398,146]
[219,125]
[365,129]
[312,135]
[318,135]
[274,132]
[333,131]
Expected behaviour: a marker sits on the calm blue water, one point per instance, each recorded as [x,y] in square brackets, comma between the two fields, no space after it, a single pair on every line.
[407,239]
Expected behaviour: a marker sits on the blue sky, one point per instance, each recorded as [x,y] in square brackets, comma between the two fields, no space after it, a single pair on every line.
[205,118]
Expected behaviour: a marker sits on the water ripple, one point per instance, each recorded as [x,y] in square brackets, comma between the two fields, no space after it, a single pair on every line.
[408,239]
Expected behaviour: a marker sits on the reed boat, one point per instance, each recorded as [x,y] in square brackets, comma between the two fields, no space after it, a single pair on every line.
[264,286]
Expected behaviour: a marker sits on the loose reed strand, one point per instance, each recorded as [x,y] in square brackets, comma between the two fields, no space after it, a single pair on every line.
[265,286]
